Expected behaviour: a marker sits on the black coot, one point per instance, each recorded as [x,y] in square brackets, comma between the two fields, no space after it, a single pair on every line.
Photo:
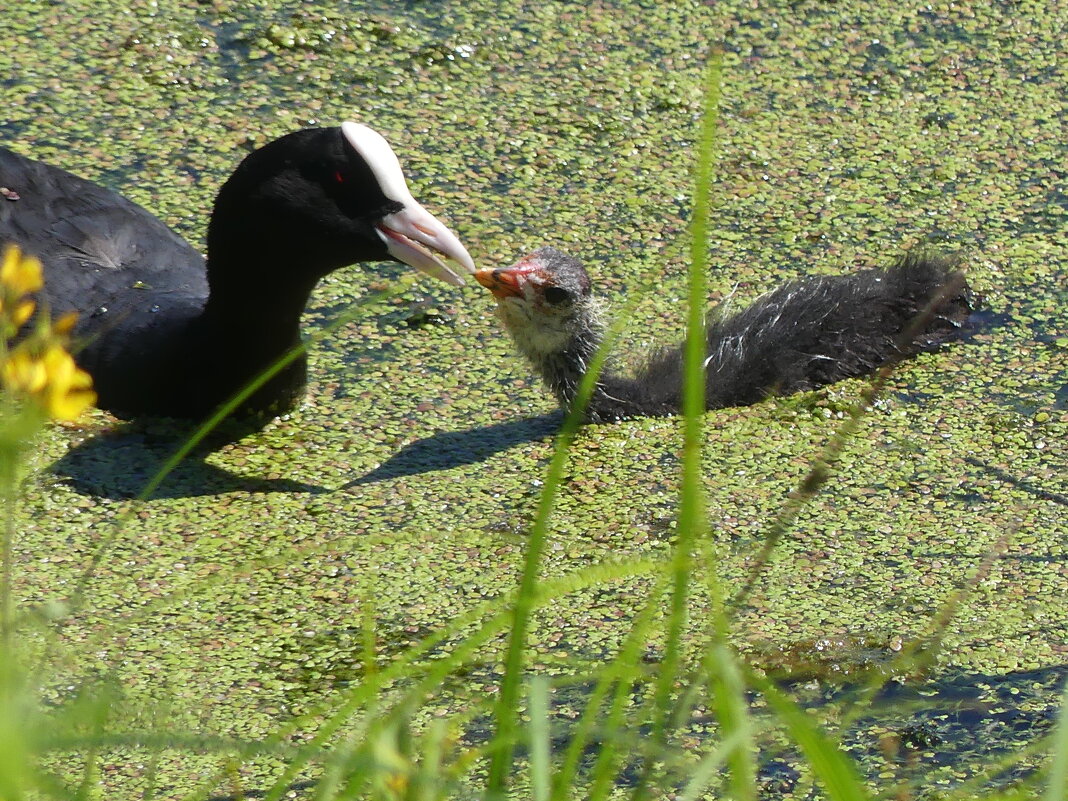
[165,333]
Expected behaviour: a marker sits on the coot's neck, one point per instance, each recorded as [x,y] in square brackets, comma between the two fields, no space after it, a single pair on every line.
[259,280]
[259,310]
[250,320]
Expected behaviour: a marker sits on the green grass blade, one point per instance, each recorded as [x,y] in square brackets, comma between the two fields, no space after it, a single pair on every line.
[432,775]
[691,519]
[1057,784]
[506,714]
[538,737]
[732,712]
[625,672]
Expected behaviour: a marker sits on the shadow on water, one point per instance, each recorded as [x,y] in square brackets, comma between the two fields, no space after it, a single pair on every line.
[449,449]
[968,714]
[1020,483]
[119,464]
[958,722]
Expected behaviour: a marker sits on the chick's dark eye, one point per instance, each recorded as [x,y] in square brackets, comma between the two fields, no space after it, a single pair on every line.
[556,295]
[339,178]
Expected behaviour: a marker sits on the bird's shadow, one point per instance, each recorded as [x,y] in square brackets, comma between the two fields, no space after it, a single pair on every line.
[120,462]
[449,449]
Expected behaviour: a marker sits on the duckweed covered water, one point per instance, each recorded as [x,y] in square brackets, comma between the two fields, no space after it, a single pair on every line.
[235,598]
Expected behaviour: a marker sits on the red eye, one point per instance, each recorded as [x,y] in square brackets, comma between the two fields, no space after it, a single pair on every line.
[339,177]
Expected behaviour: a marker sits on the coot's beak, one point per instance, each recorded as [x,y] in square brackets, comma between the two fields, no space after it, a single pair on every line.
[412,235]
[508,282]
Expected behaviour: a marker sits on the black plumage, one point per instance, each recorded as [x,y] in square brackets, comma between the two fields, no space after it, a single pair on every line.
[165,333]
[802,335]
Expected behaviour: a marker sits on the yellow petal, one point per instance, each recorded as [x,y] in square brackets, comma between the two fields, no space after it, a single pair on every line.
[64,324]
[24,374]
[20,274]
[69,405]
[12,256]
[60,367]
[22,313]
[69,390]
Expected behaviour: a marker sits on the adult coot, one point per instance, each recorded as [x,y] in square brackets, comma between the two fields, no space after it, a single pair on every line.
[165,333]
[803,335]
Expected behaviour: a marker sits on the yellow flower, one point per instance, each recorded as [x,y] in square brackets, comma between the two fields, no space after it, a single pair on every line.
[20,274]
[51,380]
[39,368]
[69,390]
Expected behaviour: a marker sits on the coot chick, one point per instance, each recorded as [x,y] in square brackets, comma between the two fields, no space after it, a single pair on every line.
[165,333]
[800,336]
